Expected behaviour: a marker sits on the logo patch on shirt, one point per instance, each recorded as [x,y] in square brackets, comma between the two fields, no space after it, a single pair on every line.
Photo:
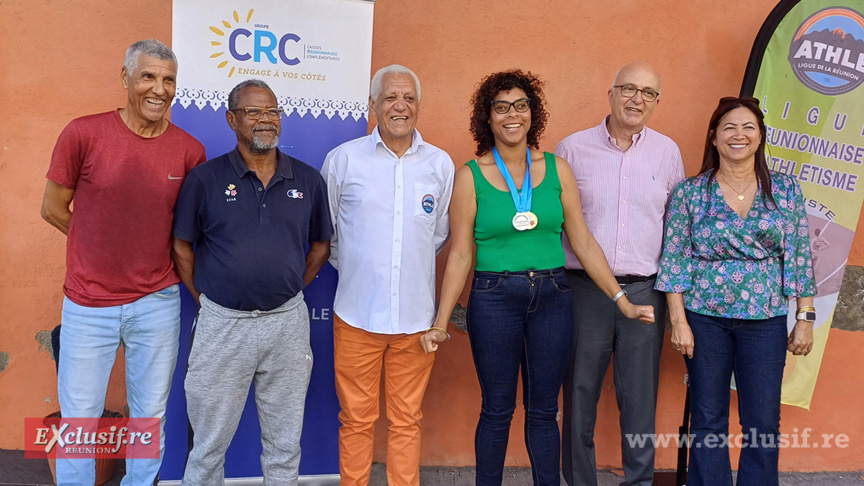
[231,192]
[428,203]
[295,194]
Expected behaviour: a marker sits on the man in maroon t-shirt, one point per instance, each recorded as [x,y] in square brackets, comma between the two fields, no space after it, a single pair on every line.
[124,170]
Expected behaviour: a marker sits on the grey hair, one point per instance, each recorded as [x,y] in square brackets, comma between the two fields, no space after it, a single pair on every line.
[147,47]
[377,80]
[234,95]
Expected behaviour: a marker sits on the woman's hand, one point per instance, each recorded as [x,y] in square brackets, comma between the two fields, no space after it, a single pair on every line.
[682,339]
[644,313]
[431,339]
[682,335]
[801,339]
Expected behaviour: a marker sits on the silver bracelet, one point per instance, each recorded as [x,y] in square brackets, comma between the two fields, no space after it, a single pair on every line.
[621,293]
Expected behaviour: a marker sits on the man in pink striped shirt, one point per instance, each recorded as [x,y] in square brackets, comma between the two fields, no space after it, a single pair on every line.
[625,172]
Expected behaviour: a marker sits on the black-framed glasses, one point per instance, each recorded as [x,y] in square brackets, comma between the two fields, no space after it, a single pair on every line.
[502,106]
[629,91]
[256,113]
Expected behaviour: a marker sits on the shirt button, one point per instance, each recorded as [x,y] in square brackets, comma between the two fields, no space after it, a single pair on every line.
[394,294]
[623,200]
[398,187]
[396,240]
[398,212]
[265,205]
[622,224]
[260,189]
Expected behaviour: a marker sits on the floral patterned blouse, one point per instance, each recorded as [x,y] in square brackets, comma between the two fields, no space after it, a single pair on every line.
[727,266]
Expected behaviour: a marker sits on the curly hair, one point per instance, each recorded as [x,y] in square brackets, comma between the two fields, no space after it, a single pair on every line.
[482,106]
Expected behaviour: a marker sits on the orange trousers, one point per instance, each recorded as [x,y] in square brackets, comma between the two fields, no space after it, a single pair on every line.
[358,359]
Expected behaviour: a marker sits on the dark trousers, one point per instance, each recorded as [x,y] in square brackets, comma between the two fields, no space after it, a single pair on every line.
[519,320]
[756,351]
[600,330]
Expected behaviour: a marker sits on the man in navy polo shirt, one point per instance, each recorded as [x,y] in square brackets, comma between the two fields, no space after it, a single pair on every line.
[251,213]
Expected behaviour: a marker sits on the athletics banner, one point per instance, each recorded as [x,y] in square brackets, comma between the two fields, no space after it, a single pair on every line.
[807,70]
[316,56]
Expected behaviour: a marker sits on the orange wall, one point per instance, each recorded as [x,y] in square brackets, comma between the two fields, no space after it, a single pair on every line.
[59,60]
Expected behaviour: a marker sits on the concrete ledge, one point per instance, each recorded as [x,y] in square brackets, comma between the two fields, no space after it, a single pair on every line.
[15,470]
[516,476]
[311,480]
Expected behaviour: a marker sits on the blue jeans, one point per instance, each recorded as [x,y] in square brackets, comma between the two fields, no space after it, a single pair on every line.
[756,351]
[149,330]
[520,318]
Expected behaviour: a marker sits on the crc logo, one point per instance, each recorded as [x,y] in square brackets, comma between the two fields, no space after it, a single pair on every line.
[254,42]
[827,52]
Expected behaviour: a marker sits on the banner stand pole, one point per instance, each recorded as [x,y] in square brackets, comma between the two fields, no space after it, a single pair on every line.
[683,437]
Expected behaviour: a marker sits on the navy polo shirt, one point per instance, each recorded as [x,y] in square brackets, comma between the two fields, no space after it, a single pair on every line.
[251,240]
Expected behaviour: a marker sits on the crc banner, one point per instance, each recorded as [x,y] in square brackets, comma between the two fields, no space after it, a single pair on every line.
[806,68]
[316,56]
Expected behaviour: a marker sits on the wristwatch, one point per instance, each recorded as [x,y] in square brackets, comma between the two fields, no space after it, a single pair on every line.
[806,315]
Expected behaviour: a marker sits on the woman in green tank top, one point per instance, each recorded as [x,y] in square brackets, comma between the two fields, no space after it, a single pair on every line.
[513,202]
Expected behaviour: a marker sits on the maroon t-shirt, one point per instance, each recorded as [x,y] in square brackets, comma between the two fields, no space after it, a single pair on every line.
[119,244]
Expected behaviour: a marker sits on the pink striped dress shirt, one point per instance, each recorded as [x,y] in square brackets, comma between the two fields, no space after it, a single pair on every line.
[623,194]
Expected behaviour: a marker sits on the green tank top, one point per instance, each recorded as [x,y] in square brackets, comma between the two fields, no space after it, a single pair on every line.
[500,246]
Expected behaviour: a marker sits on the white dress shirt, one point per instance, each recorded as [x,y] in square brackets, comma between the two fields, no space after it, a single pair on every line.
[391,219]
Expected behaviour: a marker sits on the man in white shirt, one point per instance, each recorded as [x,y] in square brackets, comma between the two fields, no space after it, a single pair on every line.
[389,196]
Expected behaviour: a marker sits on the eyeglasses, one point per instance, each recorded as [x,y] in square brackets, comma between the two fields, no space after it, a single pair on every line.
[256,113]
[629,91]
[743,99]
[502,107]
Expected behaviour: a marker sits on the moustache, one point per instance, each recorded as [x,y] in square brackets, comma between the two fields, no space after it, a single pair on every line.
[263,127]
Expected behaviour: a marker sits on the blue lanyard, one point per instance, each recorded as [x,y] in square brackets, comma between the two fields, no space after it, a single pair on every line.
[522,199]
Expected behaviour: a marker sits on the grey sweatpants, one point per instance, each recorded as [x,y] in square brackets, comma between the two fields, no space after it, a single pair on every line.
[230,350]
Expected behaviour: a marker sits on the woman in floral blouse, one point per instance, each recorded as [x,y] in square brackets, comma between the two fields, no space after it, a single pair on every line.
[736,248]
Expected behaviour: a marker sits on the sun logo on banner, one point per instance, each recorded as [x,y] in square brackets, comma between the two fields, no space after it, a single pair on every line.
[218,31]
[257,44]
